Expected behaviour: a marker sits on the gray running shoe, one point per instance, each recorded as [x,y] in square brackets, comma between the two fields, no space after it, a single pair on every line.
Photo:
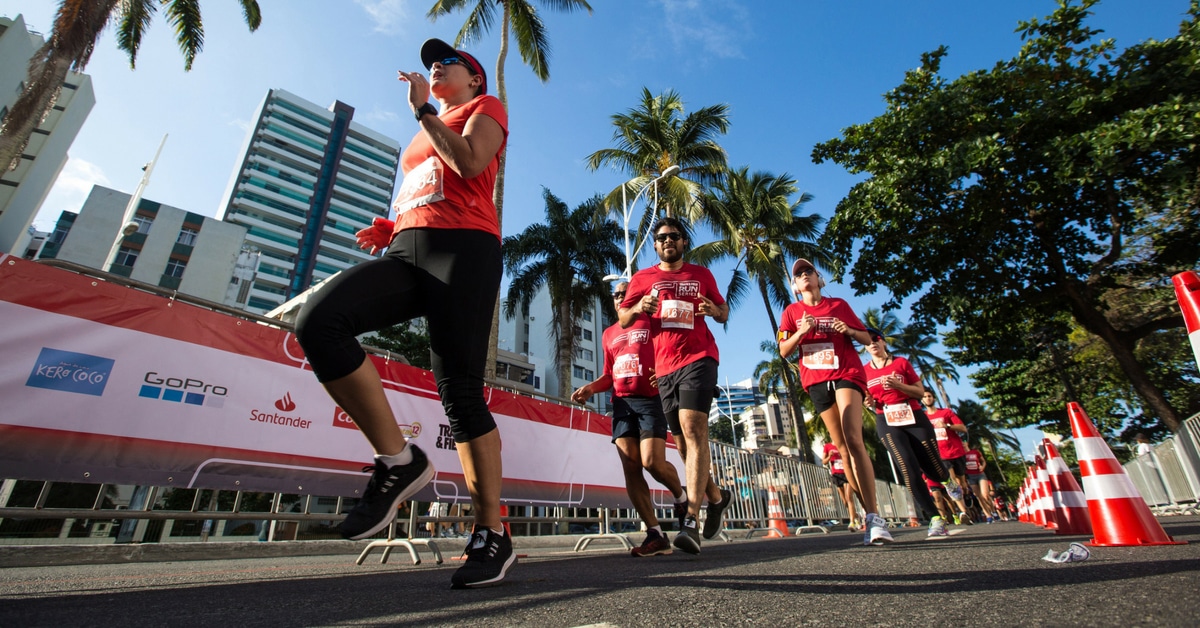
[688,538]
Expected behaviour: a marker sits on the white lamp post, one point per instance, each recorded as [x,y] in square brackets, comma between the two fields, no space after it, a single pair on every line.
[627,212]
[128,226]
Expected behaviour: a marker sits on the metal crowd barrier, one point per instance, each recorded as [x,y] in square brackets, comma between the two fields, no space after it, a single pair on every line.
[1169,476]
[765,489]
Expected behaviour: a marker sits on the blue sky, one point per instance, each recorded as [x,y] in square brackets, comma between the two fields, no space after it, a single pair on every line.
[793,75]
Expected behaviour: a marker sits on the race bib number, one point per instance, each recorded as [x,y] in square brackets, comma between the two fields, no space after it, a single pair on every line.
[626,366]
[940,432]
[838,465]
[899,414]
[421,186]
[819,356]
[678,314]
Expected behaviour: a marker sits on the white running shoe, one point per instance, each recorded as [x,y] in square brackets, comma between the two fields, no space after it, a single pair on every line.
[937,527]
[877,532]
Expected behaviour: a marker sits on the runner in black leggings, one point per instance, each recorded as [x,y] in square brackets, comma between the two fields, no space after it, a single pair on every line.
[903,427]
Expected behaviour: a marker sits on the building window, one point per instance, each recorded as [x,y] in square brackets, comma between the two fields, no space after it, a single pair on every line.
[587,334]
[587,316]
[125,257]
[525,347]
[175,267]
[584,354]
[60,233]
[187,236]
[581,373]
[143,223]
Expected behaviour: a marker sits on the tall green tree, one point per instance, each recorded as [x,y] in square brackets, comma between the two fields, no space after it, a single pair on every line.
[985,428]
[518,19]
[774,373]
[409,339]
[77,26]
[758,220]
[1049,184]
[569,254]
[656,135]
[914,342]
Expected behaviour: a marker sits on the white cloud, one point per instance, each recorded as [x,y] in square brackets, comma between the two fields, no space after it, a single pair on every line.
[70,190]
[716,27]
[388,15]
[377,116]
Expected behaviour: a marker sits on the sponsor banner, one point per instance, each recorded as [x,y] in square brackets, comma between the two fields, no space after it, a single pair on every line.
[103,383]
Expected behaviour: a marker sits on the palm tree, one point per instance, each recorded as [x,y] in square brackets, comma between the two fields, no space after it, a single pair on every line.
[77,26]
[913,343]
[519,18]
[761,227]
[656,135]
[886,322]
[569,254]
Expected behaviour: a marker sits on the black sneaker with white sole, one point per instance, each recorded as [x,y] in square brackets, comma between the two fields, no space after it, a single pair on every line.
[386,490]
[688,539]
[712,521]
[489,555]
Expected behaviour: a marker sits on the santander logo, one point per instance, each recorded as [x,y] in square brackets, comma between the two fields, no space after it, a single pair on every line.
[286,404]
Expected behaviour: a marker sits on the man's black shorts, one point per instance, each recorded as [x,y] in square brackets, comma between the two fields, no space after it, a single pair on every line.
[689,387]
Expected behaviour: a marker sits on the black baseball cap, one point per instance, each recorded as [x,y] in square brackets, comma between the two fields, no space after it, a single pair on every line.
[434,50]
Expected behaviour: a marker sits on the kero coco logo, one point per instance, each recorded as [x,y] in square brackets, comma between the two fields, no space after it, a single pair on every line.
[343,420]
[68,371]
[188,390]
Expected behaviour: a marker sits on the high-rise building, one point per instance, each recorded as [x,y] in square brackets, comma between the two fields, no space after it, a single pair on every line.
[172,248]
[527,347]
[22,190]
[309,179]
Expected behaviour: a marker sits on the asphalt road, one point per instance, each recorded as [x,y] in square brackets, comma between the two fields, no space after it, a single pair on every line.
[983,575]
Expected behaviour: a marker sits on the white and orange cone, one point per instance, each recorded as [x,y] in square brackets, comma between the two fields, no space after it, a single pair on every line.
[1119,514]
[1187,290]
[775,517]
[1045,499]
[1070,504]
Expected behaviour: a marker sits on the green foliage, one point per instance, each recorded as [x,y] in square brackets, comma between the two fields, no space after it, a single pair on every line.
[721,431]
[656,135]
[410,340]
[1044,189]
[569,254]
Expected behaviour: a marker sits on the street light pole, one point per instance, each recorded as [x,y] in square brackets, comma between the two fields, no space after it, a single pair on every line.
[127,226]
[627,214]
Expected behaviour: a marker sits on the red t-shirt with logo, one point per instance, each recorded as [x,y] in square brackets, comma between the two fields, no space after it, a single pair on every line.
[950,446]
[825,354]
[835,459]
[433,195]
[973,458]
[680,332]
[628,357]
[884,396]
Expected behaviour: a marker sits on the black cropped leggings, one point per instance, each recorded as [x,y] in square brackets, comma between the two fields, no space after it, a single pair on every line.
[915,450]
[449,276]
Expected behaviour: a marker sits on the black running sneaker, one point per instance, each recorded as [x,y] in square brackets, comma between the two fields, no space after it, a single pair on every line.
[681,509]
[688,538]
[489,555]
[712,521]
[386,490]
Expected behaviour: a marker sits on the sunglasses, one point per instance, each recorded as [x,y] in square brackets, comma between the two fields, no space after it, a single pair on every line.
[457,61]
[671,235]
[618,295]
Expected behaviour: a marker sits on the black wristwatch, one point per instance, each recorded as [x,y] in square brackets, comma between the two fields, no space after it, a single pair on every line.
[423,110]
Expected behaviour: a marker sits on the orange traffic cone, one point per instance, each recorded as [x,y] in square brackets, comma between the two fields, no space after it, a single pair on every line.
[1119,514]
[1070,505]
[775,516]
[1187,290]
[1045,498]
[1036,515]
[1023,502]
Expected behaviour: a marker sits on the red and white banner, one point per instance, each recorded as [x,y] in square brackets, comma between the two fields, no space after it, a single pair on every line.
[101,383]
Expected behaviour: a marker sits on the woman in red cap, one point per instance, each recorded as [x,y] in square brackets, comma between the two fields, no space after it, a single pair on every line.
[822,329]
[441,261]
